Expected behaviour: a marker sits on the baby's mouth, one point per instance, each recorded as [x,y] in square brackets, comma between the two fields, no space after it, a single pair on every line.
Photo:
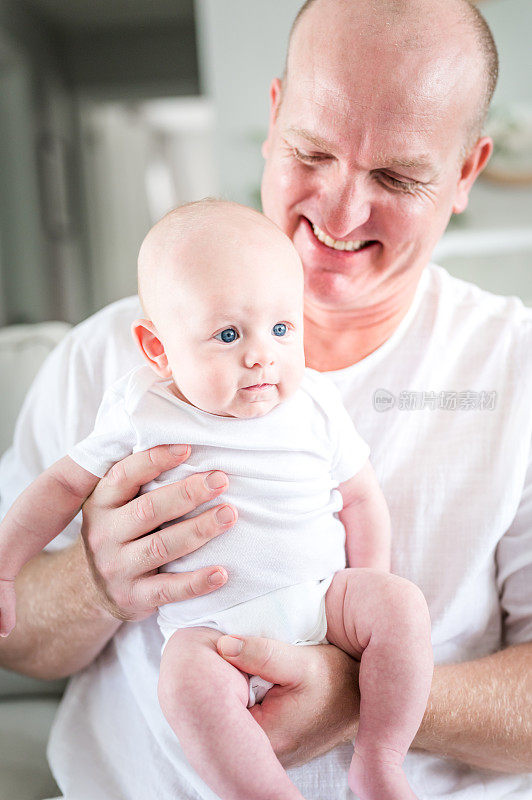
[349,245]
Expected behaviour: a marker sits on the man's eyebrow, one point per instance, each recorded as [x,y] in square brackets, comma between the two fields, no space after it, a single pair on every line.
[420,162]
[317,141]
[385,162]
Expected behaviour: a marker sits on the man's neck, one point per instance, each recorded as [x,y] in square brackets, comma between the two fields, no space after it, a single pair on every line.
[335,339]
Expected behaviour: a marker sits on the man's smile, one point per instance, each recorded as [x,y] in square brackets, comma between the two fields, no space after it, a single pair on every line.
[337,244]
[341,251]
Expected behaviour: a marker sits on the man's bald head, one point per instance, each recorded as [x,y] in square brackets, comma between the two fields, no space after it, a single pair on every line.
[406,24]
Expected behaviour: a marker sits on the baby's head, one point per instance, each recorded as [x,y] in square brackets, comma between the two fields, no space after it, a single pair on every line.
[222,289]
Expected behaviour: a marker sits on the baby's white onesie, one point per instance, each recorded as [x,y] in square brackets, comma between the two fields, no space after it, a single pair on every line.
[284,469]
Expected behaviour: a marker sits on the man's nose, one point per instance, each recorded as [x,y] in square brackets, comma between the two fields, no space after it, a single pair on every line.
[348,207]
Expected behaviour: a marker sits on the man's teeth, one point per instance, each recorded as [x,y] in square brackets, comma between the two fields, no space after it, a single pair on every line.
[334,243]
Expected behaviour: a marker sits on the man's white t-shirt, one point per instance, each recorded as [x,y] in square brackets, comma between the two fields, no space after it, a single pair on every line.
[284,468]
[445,405]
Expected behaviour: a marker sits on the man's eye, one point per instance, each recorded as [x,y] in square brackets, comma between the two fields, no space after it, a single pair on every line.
[307,158]
[403,186]
[227,336]
[280,329]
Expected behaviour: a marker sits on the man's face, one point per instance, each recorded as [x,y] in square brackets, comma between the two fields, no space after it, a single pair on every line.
[363,162]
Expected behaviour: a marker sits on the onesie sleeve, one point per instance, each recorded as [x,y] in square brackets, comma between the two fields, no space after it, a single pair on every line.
[113,437]
[349,452]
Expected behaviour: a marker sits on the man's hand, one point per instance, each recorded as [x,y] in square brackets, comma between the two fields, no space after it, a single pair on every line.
[7,606]
[314,705]
[124,551]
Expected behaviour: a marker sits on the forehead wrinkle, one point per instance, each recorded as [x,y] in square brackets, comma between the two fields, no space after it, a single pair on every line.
[345,103]
[344,106]
[438,71]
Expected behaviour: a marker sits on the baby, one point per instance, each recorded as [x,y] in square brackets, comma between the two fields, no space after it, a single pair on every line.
[222,289]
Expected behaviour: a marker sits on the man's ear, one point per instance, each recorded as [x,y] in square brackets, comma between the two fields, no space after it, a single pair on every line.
[276,88]
[148,341]
[471,168]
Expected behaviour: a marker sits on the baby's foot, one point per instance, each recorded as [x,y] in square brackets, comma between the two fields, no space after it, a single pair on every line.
[374,777]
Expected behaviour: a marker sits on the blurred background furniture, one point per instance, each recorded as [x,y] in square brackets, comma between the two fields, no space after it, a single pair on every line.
[27,706]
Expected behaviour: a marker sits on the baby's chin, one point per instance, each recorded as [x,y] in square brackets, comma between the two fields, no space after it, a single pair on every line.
[253,409]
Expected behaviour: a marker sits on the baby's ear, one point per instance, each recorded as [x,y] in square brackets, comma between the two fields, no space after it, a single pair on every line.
[148,341]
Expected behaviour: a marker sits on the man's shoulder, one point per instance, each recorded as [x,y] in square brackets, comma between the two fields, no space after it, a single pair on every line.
[462,298]
[71,383]
[114,319]
[102,347]
[485,334]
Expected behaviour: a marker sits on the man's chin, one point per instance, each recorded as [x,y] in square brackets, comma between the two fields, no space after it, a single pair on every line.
[335,289]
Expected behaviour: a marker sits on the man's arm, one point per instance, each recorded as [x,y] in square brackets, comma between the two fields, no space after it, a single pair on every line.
[37,516]
[61,626]
[479,712]
[65,615]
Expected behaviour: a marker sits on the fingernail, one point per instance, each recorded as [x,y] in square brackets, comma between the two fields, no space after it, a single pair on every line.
[178,449]
[215,480]
[230,646]
[216,578]
[225,514]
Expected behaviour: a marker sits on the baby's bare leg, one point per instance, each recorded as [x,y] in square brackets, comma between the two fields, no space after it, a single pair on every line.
[383,621]
[205,701]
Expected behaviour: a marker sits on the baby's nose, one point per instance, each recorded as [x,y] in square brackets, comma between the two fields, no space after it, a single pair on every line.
[258,355]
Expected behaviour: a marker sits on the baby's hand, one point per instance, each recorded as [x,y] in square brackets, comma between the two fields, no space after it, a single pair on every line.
[7,606]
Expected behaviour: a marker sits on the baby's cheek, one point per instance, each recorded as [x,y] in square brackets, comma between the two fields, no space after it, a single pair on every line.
[218,387]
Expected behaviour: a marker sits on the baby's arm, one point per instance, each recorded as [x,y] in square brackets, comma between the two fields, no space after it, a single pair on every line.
[36,517]
[366,520]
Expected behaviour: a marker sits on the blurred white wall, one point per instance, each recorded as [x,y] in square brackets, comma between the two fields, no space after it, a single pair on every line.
[242,46]
[511,21]
[139,161]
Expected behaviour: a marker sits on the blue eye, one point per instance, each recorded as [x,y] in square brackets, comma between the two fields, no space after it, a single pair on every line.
[227,336]
[280,329]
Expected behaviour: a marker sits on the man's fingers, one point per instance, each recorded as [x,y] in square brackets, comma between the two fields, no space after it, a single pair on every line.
[7,607]
[172,587]
[125,478]
[274,661]
[7,621]
[175,541]
[150,510]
